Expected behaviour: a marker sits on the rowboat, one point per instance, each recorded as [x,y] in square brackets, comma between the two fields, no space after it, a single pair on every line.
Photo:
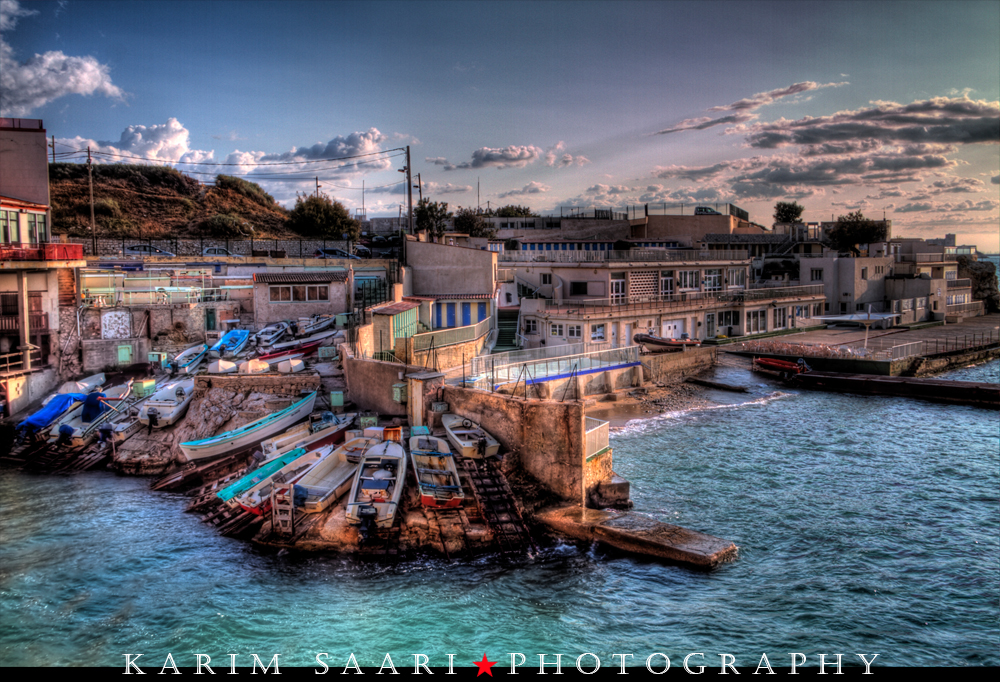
[465,435]
[187,361]
[57,407]
[257,500]
[437,475]
[250,434]
[298,344]
[377,487]
[168,404]
[264,473]
[254,366]
[327,480]
[316,324]
[658,344]
[309,435]
[80,426]
[231,344]
[221,367]
[291,365]
[356,448]
[782,369]
[271,333]
[296,351]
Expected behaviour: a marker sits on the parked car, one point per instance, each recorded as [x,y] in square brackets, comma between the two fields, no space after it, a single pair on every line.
[705,210]
[219,251]
[363,251]
[334,253]
[378,239]
[147,250]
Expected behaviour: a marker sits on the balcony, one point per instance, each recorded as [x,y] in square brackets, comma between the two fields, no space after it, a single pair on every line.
[13,254]
[38,323]
[959,284]
[974,309]
[716,299]
[620,257]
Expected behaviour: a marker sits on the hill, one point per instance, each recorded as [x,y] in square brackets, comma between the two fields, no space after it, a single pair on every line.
[158,201]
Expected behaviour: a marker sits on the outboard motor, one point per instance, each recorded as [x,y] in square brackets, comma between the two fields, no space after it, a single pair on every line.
[65,434]
[104,433]
[368,514]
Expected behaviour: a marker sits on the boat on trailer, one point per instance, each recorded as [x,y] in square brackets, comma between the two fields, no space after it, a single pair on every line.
[188,361]
[437,474]
[465,435]
[377,487]
[168,404]
[250,434]
[327,480]
[230,345]
[658,344]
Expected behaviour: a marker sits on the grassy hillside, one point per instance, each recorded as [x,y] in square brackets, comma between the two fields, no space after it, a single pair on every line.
[158,202]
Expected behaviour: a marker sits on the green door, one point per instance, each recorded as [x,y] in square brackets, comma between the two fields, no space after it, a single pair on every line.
[124,355]
[210,319]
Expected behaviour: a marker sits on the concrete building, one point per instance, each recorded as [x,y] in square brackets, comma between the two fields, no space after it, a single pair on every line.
[279,296]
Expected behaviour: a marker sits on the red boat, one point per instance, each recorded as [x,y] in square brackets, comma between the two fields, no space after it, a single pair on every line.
[305,349]
[781,368]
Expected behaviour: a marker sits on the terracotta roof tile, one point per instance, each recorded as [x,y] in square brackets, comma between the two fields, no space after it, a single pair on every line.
[299,277]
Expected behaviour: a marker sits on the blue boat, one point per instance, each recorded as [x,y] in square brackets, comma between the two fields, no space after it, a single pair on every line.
[231,344]
[58,406]
[267,470]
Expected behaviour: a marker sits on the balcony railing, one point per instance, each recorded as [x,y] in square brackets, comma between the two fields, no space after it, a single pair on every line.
[37,323]
[40,252]
[633,256]
[14,362]
[505,275]
[720,298]
[448,337]
[595,436]
[161,296]
[959,283]
[976,308]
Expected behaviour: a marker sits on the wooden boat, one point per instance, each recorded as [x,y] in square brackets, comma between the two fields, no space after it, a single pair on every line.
[254,367]
[464,434]
[299,351]
[168,404]
[263,473]
[327,480]
[377,487]
[437,475]
[316,324]
[309,435]
[782,369]
[80,426]
[355,448]
[289,366]
[250,434]
[188,361]
[658,344]
[297,344]
[56,408]
[231,344]
[257,500]
[271,333]
[221,367]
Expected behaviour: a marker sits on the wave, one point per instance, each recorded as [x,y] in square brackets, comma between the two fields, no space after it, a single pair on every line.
[647,424]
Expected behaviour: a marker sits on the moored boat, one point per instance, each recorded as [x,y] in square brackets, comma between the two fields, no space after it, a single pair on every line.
[56,408]
[168,404]
[355,448]
[250,434]
[317,323]
[299,344]
[84,385]
[437,475]
[80,427]
[294,351]
[318,433]
[263,473]
[658,344]
[377,487]
[257,500]
[271,333]
[188,361]
[783,369]
[327,480]
[466,435]
[231,344]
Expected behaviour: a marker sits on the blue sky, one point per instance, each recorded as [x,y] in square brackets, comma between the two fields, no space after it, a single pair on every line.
[877,106]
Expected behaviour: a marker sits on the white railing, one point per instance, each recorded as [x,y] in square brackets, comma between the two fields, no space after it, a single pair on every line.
[595,436]
[162,296]
[974,307]
[448,337]
[531,371]
[623,303]
[635,255]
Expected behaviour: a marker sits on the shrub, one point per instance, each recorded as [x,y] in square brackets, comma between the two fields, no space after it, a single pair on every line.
[224,225]
[251,190]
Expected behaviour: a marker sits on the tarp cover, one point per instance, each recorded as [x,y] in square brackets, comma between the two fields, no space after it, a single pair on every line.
[93,407]
[59,404]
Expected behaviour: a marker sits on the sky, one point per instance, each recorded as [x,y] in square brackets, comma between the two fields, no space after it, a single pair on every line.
[884,107]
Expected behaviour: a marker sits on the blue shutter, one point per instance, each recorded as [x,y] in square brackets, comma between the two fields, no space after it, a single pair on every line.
[451,314]
[482,312]
[466,314]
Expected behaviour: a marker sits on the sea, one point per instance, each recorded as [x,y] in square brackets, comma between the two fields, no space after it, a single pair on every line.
[865,525]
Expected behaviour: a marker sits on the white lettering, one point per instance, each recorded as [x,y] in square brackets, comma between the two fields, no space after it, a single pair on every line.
[732,660]
[391,666]
[541,664]
[170,660]
[822,662]
[199,664]
[420,661]
[130,663]
[451,665]
[263,668]
[764,663]
[325,666]
[513,665]
[867,662]
[232,664]
[623,661]
[357,669]
[796,663]
[701,668]
[596,668]
[649,666]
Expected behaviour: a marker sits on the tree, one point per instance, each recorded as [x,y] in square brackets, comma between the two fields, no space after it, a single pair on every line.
[513,211]
[469,221]
[432,216]
[853,229]
[788,212]
[320,216]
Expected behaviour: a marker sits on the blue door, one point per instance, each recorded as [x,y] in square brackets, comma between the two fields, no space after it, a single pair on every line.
[466,314]
[451,314]
[482,312]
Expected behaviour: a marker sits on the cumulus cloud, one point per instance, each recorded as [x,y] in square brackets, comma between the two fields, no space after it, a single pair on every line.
[357,144]
[167,143]
[556,156]
[608,189]
[763,98]
[532,187]
[512,156]
[27,85]
[955,185]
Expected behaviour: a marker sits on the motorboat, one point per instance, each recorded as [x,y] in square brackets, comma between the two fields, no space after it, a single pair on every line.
[55,408]
[437,474]
[782,369]
[221,367]
[231,344]
[188,361]
[80,426]
[250,434]
[241,485]
[377,487]
[327,480]
[465,435]
[271,333]
[658,344]
[168,404]
[257,500]
[329,429]
[316,324]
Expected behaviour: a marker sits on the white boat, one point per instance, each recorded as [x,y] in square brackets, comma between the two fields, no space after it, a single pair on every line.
[253,367]
[84,385]
[437,474]
[355,448]
[221,367]
[321,432]
[257,499]
[327,480]
[271,333]
[188,361]
[250,434]
[377,487]
[79,427]
[168,404]
[291,366]
[315,324]
[322,336]
[464,434]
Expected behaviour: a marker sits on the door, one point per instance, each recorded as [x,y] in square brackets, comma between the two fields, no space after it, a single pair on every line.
[451,314]
[210,319]
[628,334]
[617,291]
[614,335]
[672,329]
[466,314]
[710,325]
[124,355]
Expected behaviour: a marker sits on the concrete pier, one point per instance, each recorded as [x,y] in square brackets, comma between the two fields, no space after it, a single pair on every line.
[937,390]
[638,534]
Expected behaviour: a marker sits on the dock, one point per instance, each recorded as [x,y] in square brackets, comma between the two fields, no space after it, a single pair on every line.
[637,534]
[978,394]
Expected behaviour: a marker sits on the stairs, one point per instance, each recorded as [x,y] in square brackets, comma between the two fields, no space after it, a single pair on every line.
[506,331]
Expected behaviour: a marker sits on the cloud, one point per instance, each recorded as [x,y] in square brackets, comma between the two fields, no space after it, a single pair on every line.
[167,143]
[231,136]
[25,86]
[357,144]
[704,122]
[955,185]
[696,173]
[436,160]
[947,207]
[608,189]
[431,187]
[531,188]
[513,156]
[556,156]
[763,98]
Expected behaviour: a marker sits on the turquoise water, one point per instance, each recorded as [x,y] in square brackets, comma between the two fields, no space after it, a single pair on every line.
[865,525]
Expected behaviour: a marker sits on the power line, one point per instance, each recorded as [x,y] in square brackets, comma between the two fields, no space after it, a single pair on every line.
[275,163]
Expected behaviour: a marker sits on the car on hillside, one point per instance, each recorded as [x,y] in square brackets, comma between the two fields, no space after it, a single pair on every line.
[220,252]
[334,253]
[146,250]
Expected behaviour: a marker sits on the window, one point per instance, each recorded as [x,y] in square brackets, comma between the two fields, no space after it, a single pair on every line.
[557,330]
[597,332]
[756,322]
[896,306]
[666,282]
[737,278]
[687,279]
[713,280]
[907,304]
[729,318]
[921,303]
[864,273]
[577,288]
[816,275]
[8,219]
[951,274]
[574,331]
[879,269]
[546,278]
[859,307]
[780,318]
[300,292]
[817,309]
[531,326]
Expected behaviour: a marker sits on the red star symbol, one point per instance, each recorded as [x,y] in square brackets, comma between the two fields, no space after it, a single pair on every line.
[484,666]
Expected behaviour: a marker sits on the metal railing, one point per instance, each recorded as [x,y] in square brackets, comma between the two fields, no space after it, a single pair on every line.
[505,275]
[14,362]
[595,436]
[875,349]
[976,307]
[162,296]
[448,337]
[37,322]
[278,248]
[533,371]
[959,283]
[633,256]
[41,251]
[722,298]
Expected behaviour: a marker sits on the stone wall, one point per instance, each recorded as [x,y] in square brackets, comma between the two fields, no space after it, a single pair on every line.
[545,438]
[101,353]
[369,384]
[277,384]
[675,367]
[444,357]
[266,312]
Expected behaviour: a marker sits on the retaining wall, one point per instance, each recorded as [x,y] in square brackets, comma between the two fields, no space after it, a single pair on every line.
[101,353]
[675,367]
[279,384]
[369,383]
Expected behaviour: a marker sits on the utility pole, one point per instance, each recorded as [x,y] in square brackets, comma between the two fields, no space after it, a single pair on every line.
[420,188]
[477,195]
[93,222]
[409,193]
[53,149]
[317,188]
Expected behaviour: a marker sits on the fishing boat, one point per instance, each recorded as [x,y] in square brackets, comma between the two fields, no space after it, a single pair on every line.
[296,351]
[271,333]
[231,344]
[355,448]
[187,362]
[329,429]
[437,475]
[254,366]
[298,344]
[84,385]
[327,481]
[377,487]
[316,323]
[465,434]
[80,427]
[57,407]
[168,404]
[250,434]
[257,500]
[658,344]
[221,367]
[264,473]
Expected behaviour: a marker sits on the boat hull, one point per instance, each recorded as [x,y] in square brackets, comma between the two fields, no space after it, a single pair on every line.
[657,344]
[168,408]
[436,473]
[463,434]
[378,486]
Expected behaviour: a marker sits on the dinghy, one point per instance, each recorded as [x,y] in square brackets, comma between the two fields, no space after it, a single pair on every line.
[327,480]
[257,500]
[264,473]
[221,367]
[168,404]
[290,366]
[377,488]
[188,361]
[315,324]
[253,367]
[355,448]
[325,431]
[250,434]
[271,333]
[437,475]
[80,427]
[231,344]
[465,435]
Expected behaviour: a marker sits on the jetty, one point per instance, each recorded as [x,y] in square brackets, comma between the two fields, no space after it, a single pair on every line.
[978,394]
